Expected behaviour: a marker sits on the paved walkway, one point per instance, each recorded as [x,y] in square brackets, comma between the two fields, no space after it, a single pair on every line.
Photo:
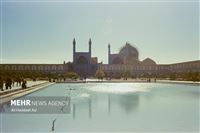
[15,87]
[17,92]
[178,82]
[131,81]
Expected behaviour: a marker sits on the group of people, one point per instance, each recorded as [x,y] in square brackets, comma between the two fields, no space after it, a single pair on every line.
[9,83]
[150,80]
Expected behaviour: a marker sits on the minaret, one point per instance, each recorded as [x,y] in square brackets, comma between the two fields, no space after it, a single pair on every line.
[74,49]
[109,53]
[90,51]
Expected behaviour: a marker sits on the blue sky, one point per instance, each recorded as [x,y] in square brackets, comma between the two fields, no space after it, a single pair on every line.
[42,32]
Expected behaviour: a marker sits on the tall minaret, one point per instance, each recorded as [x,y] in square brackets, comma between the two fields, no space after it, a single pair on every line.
[90,51]
[109,53]
[74,49]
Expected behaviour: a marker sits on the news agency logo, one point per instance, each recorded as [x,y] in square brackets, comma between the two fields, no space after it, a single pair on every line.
[20,102]
[43,105]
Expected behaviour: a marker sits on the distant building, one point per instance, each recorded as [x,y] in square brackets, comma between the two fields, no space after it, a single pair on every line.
[48,68]
[83,62]
[127,60]
[127,55]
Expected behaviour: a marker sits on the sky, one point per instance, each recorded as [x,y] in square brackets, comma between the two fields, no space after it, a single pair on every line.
[42,32]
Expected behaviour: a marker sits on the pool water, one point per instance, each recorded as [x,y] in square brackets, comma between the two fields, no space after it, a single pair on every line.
[109,107]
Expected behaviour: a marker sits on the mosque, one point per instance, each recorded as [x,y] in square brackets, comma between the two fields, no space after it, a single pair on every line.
[126,60]
[83,63]
[128,55]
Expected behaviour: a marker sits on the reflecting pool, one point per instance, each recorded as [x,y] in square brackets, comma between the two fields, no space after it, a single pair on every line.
[123,107]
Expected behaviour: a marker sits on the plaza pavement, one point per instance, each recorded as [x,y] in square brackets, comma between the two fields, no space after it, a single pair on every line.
[15,87]
[165,81]
[142,80]
[17,91]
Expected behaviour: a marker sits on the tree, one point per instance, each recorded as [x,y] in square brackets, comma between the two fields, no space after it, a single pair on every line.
[70,66]
[71,75]
[126,74]
[192,76]
[172,76]
[82,73]
[118,75]
[99,74]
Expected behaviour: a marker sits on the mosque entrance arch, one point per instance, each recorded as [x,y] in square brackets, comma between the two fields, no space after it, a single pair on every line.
[82,60]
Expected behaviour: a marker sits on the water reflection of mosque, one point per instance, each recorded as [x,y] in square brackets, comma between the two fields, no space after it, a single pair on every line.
[89,109]
[128,102]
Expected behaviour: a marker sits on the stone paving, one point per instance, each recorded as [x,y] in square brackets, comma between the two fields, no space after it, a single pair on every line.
[16,92]
[15,87]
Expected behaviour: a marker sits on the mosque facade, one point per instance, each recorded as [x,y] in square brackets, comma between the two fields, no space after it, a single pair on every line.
[83,62]
[126,60]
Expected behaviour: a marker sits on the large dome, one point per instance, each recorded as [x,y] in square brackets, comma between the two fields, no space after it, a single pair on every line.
[148,61]
[129,50]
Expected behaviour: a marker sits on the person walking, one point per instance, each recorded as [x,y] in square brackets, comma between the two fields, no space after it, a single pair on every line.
[1,83]
[8,83]
[24,84]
